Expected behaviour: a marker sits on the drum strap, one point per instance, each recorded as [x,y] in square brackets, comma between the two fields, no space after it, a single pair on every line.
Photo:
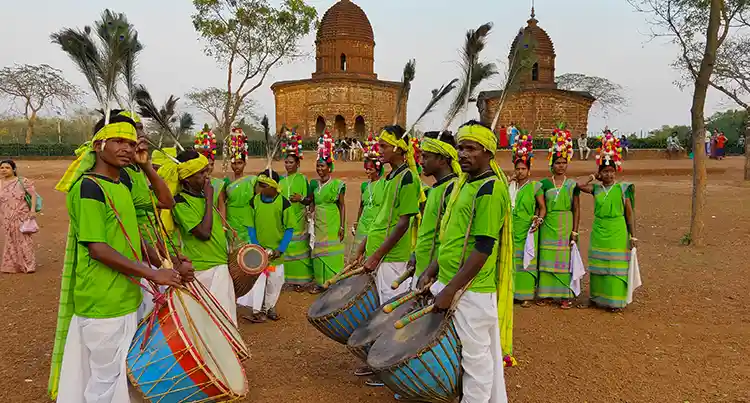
[437,224]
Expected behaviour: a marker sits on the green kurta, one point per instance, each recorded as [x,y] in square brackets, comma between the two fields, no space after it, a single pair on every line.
[328,251]
[609,253]
[298,268]
[372,198]
[554,240]
[188,213]
[428,239]
[239,194]
[523,213]
[270,220]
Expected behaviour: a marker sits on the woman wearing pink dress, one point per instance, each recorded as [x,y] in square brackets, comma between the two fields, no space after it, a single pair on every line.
[18,252]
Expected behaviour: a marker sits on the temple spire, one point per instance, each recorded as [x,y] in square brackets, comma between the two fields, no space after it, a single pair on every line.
[533,14]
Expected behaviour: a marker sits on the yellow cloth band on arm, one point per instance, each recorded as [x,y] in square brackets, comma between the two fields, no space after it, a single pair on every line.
[269,181]
[172,173]
[85,153]
[435,146]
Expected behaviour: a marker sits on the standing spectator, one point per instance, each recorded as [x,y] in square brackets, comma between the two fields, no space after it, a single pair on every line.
[741,143]
[625,144]
[714,136]
[707,141]
[355,150]
[673,145]
[18,252]
[583,147]
[721,141]
[503,137]
[512,133]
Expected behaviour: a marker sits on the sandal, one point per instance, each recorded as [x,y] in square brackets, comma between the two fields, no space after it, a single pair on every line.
[299,288]
[363,371]
[615,310]
[543,302]
[374,382]
[256,317]
[271,314]
[526,304]
[567,304]
[316,289]
[584,305]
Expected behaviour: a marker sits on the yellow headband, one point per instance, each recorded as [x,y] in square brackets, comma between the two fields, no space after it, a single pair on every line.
[172,173]
[86,158]
[269,181]
[435,146]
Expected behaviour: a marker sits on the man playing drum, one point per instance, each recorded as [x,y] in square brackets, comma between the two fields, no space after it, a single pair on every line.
[200,225]
[270,212]
[100,292]
[388,245]
[476,255]
[439,160]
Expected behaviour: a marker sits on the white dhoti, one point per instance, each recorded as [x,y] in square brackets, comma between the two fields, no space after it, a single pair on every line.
[388,272]
[219,283]
[265,293]
[481,355]
[94,363]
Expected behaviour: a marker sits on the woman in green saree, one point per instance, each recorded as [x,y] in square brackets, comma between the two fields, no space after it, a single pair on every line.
[239,193]
[329,220]
[529,210]
[560,227]
[613,231]
[298,268]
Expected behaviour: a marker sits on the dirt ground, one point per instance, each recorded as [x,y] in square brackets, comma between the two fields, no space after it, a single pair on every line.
[685,339]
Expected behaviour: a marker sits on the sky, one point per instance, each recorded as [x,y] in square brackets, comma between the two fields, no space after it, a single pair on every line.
[593,37]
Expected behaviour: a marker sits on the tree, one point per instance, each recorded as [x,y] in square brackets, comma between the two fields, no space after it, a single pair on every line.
[213,101]
[692,25]
[37,87]
[249,37]
[610,96]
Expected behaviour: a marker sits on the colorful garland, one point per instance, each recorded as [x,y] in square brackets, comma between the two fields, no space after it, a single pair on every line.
[325,149]
[610,152]
[237,144]
[205,143]
[561,144]
[371,151]
[292,144]
[523,149]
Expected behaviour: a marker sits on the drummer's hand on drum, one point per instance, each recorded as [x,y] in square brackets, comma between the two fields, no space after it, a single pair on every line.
[372,263]
[186,269]
[166,277]
[274,255]
[444,299]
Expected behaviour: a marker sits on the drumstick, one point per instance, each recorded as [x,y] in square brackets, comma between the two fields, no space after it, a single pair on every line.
[413,316]
[408,273]
[406,298]
[345,276]
[337,277]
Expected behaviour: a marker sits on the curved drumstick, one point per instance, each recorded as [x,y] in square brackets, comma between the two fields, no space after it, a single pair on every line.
[413,316]
[344,276]
[333,280]
[406,298]
[408,273]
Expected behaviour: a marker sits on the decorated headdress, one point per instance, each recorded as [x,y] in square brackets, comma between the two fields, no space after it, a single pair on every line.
[417,147]
[561,144]
[237,144]
[523,150]
[372,152]
[292,144]
[205,143]
[325,149]
[610,152]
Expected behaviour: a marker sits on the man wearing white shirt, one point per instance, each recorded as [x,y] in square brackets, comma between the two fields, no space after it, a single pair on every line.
[583,147]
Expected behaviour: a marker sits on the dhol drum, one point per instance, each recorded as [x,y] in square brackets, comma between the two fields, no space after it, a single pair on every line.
[364,336]
[222,319]
[246,263]
[344,307]
[422,361]
[186,357]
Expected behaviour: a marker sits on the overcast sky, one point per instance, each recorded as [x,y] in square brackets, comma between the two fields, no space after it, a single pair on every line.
[595,37]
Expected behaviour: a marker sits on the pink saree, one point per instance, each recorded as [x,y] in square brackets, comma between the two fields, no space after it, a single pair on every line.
[18,252]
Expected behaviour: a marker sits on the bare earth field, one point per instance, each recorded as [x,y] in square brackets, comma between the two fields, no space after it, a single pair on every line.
[685,339]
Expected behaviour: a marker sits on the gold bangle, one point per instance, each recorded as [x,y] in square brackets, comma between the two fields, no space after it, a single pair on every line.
[574,233]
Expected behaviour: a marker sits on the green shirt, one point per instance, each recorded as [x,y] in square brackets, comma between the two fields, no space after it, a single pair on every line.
[218,185]
[371,200]
[480,209]
[428,240]
[401,199]
[270,220]
[99,291]
[239,194]
[188,213]
[296,184]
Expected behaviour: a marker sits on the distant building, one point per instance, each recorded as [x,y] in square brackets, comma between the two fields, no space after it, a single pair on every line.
[538,105]
[344,93]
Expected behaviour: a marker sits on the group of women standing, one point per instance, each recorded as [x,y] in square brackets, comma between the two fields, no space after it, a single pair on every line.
[546,217]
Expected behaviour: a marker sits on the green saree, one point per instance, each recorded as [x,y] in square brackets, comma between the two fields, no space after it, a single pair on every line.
[554,240]
[609,253]
[372,197]
[328,250]
[239,194]
[524,209]
[298,268]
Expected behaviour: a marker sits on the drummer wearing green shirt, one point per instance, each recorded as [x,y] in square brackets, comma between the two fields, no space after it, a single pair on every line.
[201,229]
[272,214]
[440,161]
[476,256]
[388,245]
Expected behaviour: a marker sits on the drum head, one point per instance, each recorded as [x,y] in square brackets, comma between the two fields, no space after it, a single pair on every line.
[339,295]
[253,258]
[211,344]
[396,345]
[380,322]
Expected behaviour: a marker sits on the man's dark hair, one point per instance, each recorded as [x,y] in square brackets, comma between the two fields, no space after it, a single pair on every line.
[271,174]
[114,117]
[187,155]
[474,122]
[445,137]
[398,131]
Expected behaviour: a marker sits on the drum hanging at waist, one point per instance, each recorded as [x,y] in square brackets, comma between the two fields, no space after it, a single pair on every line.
[246,264]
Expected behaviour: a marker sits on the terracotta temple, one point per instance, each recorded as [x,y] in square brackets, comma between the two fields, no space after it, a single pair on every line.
[537,105]
[344,93]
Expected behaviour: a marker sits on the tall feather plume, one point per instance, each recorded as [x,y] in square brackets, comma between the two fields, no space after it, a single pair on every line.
[148,110]
[474,71]
[113,30]
[403,93]
[437,96]
[270,146]
[82,50]
[186,124]
[134,47]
